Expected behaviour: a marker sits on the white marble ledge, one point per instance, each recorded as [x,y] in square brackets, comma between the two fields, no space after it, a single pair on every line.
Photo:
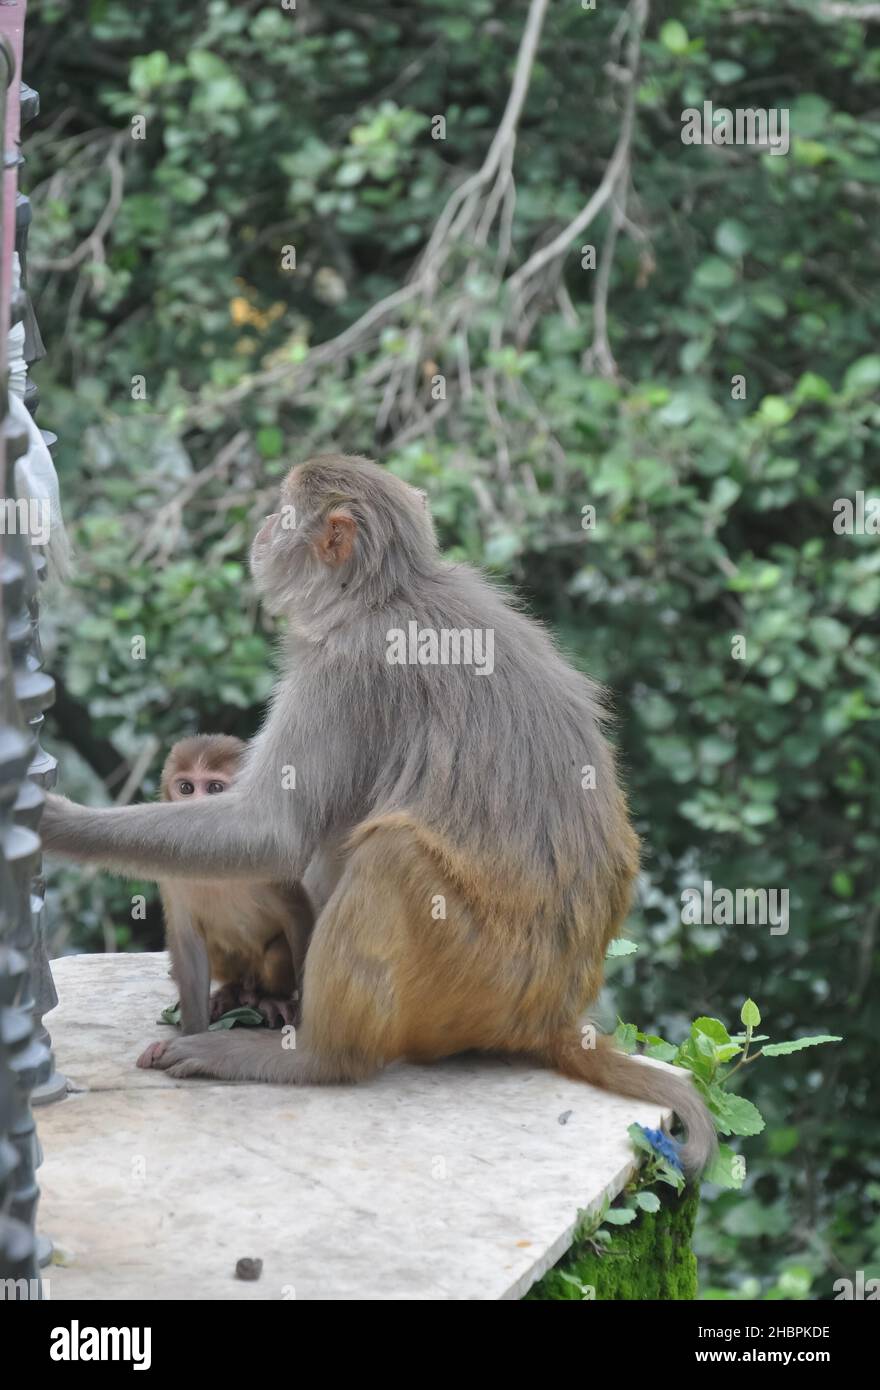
[452,1181]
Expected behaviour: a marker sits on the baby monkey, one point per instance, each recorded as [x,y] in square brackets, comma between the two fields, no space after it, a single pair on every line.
[249,937]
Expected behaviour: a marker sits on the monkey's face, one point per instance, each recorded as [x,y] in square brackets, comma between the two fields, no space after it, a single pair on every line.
[345,528]
[279,560]
[201,765]
[188,784]
[305,553]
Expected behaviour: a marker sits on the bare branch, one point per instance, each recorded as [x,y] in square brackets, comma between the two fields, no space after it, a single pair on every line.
[616,165]
[826,9]
[505,135]
[602,358]
[459,218]
[831,10]
[93,245]
[162,535]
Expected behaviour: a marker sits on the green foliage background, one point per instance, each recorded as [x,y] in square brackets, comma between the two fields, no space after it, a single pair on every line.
[265,129]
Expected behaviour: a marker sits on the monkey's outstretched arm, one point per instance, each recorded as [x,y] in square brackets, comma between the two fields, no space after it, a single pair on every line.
[224,836]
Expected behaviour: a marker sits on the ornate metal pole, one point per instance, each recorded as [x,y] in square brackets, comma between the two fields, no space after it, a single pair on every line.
[38,691]
[26,990]
[21,1055]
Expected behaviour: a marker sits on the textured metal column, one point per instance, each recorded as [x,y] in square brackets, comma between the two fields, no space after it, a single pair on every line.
[24,692]
[39,690]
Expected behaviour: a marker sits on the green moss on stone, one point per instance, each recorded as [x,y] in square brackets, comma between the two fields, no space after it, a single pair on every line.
[651,1258]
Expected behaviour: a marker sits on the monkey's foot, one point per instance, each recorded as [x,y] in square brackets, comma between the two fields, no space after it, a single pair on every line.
[150,1055]
[275,1011]
[224,999]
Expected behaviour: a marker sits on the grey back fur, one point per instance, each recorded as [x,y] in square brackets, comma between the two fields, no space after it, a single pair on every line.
[488,760]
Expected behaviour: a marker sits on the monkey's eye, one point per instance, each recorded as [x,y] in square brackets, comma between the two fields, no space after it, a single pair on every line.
[214,787]
[185,788]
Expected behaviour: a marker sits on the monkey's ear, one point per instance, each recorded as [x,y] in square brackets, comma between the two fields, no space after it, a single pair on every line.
[336,542]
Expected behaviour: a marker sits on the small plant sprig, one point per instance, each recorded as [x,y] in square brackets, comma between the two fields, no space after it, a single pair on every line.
[707,1053]
[661,1165]
[242,1017]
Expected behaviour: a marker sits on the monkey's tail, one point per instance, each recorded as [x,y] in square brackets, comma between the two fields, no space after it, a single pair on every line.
[613,1070]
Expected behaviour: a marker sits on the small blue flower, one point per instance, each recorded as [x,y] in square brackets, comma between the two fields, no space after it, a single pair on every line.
[663,1145]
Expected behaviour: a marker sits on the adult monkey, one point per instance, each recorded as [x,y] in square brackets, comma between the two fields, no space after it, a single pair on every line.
[478,882]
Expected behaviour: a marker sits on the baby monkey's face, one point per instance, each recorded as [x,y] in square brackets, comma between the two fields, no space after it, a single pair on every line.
[197,781]
[203,765]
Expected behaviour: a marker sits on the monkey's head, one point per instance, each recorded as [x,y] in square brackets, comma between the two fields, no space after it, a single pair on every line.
[204,765]
[346,530]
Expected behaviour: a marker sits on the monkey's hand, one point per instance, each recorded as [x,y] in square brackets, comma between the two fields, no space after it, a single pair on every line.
[223,1000]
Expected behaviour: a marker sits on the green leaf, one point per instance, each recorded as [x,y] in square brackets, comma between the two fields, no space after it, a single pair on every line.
[674,37]
[206,66]
[732,238]
[773,305]
[693,353]
[783,1141]
[619,1216]
[795,1282]
[655,711]
[501,547]
[782,689]
[270,442]
[725,71]
[648,1201]
[621,947]
[784,1048]
[842,884]
[243,1017]
[350,174]
[750,1014]
[810,114]
[812,387]
[640,1140]
[724,493]
[713,1028]
[663,1051]
[697,1054]
[753,1218]
[715,274]
[809,152]
[863,376]
[148,71]
[727,1168]
[828,634]
[775,410]
[735,1114]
